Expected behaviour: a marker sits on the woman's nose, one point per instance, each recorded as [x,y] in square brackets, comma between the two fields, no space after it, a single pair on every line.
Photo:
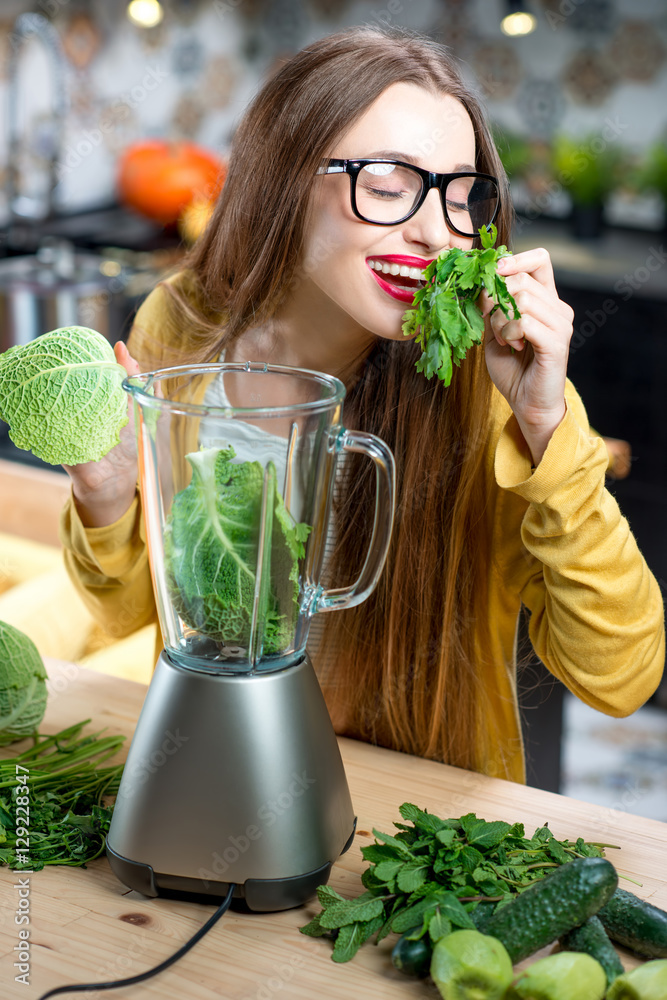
[428,227]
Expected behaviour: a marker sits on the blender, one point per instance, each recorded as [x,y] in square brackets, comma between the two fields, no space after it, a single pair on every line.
[234,775]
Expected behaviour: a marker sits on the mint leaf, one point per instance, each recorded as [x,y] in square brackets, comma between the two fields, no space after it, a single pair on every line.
[423,820]
[439,926]
[450,906]
[489,834]
[328,895]
[386,871]
[352,936]
[395,843]
[412,876]
[349,911]
[314,928]
[376,853]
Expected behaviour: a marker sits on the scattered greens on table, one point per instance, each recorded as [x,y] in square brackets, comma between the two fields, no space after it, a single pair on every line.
[22,685]
[445,316]
[211,541]
[61,778]
[61,396]
[433,874]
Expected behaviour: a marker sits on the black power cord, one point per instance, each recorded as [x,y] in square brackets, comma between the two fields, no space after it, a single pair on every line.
[80,987]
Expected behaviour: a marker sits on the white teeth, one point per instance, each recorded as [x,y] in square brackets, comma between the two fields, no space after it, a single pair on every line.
[403,270]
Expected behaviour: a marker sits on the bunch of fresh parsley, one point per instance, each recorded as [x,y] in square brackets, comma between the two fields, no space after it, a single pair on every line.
[63,786]
[444,314]
[434,874]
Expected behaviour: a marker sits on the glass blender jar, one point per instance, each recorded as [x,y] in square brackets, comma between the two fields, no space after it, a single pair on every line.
[237,467]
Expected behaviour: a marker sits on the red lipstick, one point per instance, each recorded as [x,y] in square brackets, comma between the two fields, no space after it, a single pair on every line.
[405,293]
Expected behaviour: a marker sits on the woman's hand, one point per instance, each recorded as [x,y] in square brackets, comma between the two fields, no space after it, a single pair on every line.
[104,490]
[532,376]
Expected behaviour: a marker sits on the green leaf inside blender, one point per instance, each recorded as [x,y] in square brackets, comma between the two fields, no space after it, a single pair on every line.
[211,546]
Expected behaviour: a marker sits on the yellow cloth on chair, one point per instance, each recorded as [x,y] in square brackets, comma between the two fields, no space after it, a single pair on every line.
[132,658]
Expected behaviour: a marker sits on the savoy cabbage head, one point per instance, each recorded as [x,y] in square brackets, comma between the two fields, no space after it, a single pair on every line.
[211,551]
[22,685]
[61,396]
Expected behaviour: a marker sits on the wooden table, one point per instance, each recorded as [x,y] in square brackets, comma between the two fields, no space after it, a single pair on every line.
[87,927]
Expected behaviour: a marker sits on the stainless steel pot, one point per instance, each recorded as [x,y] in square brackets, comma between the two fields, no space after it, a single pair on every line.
[56,287]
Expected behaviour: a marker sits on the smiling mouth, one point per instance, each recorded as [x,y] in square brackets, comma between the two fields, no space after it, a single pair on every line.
[401,276]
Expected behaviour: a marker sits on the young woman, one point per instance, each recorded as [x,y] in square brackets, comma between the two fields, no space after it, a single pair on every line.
[311,259]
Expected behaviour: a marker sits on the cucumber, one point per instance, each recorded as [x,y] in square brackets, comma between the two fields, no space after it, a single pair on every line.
[469,965]
[567,975]
[412,957]
[553,906]
[647,982]
[635,924]
[592,939]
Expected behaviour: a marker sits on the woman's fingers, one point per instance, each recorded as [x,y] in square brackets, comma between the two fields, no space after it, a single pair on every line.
[124,358]
[536,262]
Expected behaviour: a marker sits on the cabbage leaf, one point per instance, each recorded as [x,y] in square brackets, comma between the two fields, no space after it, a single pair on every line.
[211,552]
[61,396]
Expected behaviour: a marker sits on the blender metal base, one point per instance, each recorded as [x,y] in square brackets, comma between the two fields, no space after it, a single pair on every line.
[232,779]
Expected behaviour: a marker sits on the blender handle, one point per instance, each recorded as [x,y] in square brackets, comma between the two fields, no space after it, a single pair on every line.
[385,499]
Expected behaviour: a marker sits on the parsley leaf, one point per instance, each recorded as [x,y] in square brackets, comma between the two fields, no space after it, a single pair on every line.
[444,315]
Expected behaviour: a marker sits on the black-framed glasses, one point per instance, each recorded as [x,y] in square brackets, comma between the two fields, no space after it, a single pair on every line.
[388,192]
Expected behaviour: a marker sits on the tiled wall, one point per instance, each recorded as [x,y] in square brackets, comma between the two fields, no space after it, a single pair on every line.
[591,64]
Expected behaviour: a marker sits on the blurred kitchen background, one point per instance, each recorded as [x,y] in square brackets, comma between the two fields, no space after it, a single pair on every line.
[92,213]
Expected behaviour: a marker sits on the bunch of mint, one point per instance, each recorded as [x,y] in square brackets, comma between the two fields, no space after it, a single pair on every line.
[435,874]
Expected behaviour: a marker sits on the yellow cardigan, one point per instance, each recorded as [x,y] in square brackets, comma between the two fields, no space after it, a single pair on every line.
[560,546]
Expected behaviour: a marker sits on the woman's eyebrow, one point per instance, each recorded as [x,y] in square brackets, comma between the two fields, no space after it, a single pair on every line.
[395,154]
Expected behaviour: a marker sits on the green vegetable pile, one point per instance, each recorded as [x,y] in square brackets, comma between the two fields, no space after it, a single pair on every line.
[434,874]
[22,685]
[211,551]
[59,784]
[470,899]
[445,315]
[61,395]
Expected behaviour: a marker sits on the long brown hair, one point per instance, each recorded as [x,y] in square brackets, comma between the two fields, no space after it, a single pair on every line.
[409,661]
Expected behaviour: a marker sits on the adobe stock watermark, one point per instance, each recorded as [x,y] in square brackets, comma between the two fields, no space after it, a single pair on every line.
[141,769]
[268,813]
[555,18]
[75,153]
[625,287]
[282,976]
[224,7]
[608,816]
[121,965]
[316,255]
[45,8]
[67,674]
[385,16]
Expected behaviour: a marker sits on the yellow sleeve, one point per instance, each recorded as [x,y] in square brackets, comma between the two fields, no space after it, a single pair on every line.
[597,619]
[109,568]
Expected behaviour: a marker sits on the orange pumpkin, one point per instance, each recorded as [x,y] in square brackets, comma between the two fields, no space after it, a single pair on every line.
[159,178]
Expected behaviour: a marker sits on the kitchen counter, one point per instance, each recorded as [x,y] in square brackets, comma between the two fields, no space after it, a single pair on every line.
[620,262]
[87,927]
